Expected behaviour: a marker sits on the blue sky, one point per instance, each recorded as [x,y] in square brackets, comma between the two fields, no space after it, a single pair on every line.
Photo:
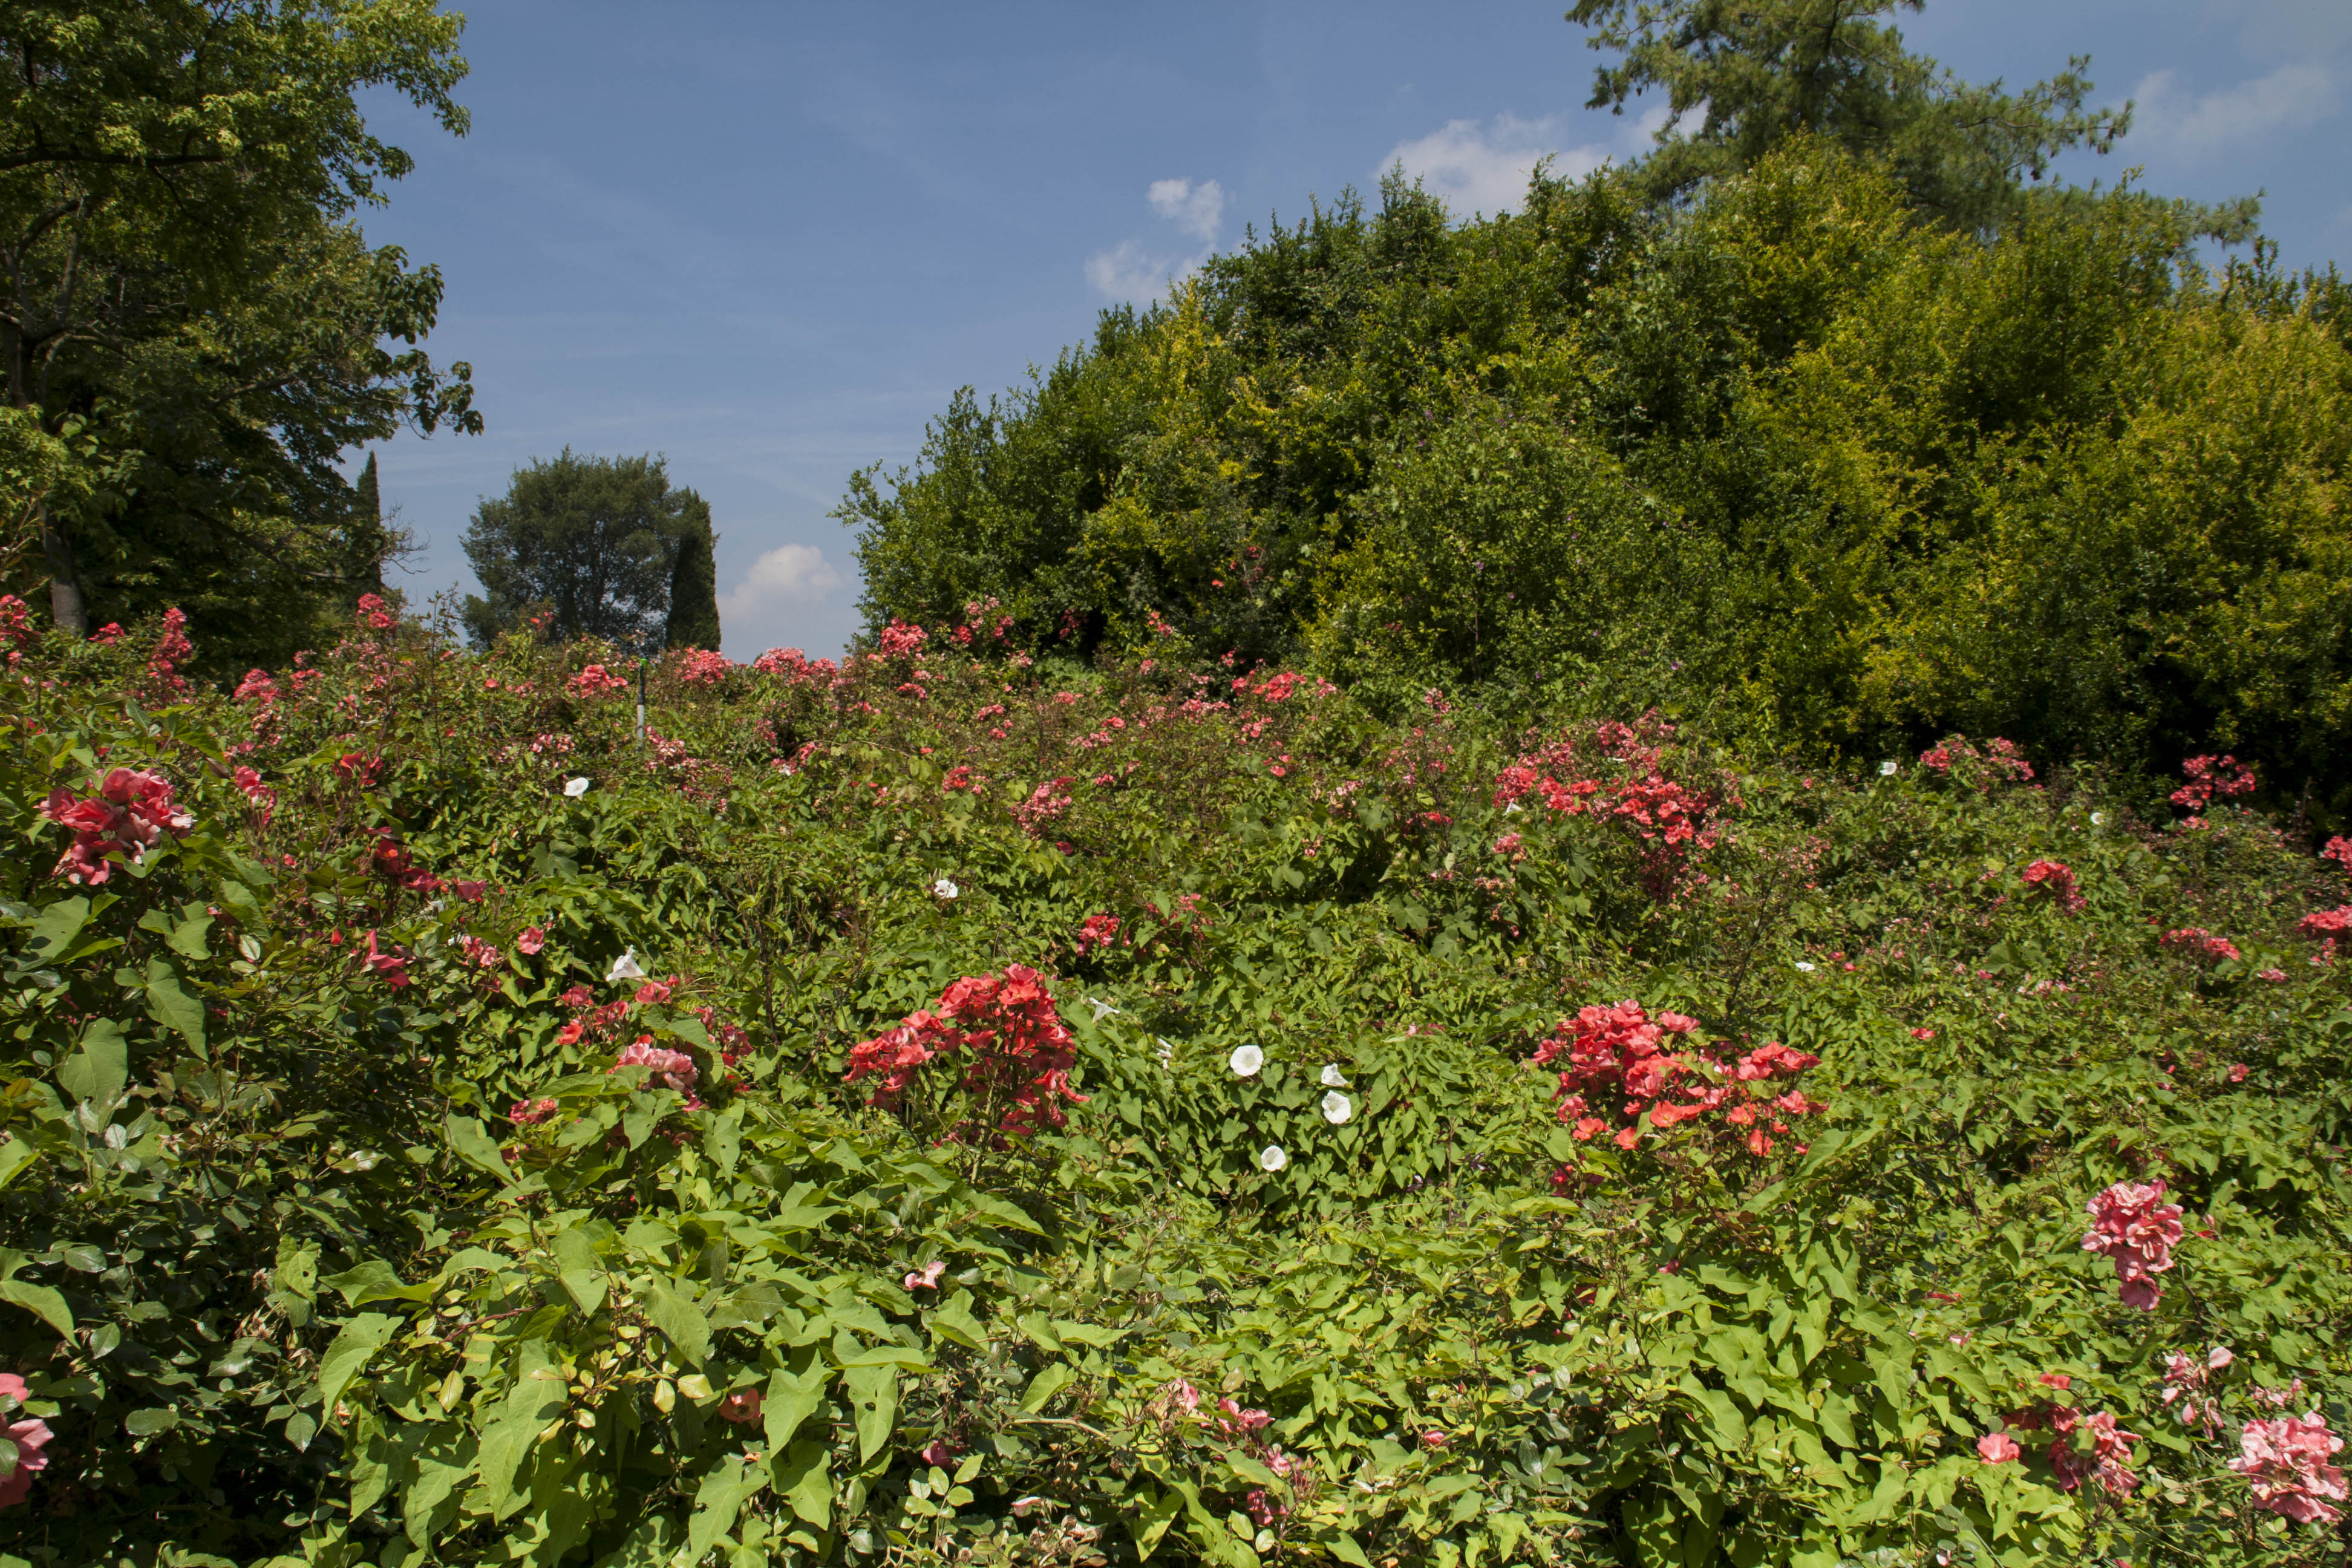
[770,239]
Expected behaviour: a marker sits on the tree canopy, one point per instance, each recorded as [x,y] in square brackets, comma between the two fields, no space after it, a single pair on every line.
[184,287]
[1781,452]
[603,547]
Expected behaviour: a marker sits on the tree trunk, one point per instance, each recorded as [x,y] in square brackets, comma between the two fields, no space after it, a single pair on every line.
[67,609]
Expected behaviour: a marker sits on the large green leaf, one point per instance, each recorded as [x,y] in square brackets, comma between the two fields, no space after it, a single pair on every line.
[671,1309]
[355,1345]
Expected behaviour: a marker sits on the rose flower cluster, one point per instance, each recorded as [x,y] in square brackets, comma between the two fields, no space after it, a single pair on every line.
[1003,1033]
[1623,1063]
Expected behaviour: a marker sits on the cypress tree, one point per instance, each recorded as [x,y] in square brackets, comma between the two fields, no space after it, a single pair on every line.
[367,527]
[694,579]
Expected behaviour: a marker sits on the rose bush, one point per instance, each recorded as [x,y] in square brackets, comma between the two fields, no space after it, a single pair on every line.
[938,1105]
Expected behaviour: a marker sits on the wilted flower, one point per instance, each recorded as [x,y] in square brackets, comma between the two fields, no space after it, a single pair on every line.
[1272,1158]
[1337,1106]
[1245,1061]
[575,788]
[624,968]
[927,1276]
[1997,1448]
[742,1407]
[1332,1076]
[531,939]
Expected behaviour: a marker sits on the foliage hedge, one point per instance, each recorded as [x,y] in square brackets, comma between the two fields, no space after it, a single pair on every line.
[1786,458]
[337,1231]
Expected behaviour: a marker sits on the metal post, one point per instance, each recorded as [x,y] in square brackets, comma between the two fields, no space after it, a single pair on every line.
[641,705]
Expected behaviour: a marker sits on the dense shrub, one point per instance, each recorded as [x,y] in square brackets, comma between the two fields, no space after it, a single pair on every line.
[1784,458]
[950,1106]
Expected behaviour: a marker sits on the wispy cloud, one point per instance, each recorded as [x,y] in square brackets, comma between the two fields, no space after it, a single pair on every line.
[2167,119]
[1484,167]
[1196,209]
[1134,271]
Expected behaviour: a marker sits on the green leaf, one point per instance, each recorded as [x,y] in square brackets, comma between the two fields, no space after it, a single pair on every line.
[148,1422]
[952,1319]
[718,1499]
[1343,1545]
[374,1280]
[187,937]
[1047,1385]
[353,1348]
[874,1406]
[680,1321]
[169,1004]
[792,1397]
[41,1301]
[98,1071]
[534,1399]
[14,1155]
[803,1482]
[470,1143]
[1154,1511]
[54,933]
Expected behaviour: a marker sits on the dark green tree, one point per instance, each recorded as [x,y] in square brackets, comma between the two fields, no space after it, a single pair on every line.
[369,543]
[595,543]
[181,284]
[1753,73]
[694,580]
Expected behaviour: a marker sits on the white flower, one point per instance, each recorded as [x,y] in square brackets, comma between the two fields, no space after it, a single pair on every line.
[1165,1053]
[945,889]
[576,789]
[1245,1061]
[1336,1107]
[625,968]
[2098,819]
[1332,1076]
[1803,968]
[1886,769]
[1102,1008]
[1273,1158]
[1512,807]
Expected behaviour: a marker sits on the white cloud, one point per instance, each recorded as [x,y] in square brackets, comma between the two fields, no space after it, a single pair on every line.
[1126,272]
[791,574]
[2203,124]
[1132,270]
[1484,169]
[1196,209]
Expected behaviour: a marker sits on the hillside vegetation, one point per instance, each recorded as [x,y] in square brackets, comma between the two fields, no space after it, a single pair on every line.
[1784,457]
[954,1107]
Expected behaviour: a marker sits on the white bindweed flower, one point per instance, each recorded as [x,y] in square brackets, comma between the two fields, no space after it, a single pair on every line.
[1336,1107]
[1886,769]
[1245,1060]
[1332,1076]
[1511,809]
[1167,1052]
[1272,1158]
[575,788]
[2098,819]
[945,889]
[625,968]
[1803,968]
